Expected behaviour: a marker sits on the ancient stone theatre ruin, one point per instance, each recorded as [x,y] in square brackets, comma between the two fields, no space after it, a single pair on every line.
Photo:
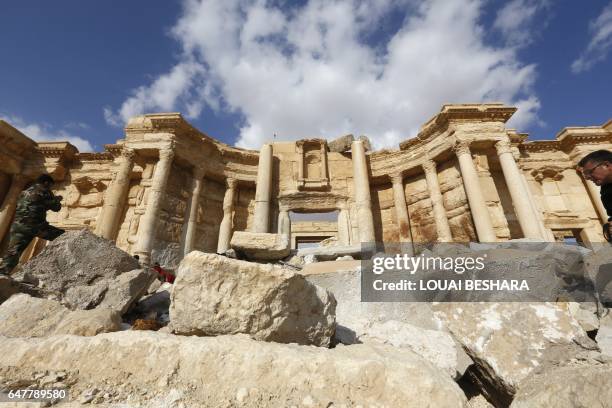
[167,188]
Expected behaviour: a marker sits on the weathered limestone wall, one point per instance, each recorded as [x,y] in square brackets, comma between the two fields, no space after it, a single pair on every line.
[210,213]
[386,227]
[83,189]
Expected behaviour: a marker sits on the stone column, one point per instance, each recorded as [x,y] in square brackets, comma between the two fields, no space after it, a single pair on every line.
[344,226]
[439,212]
[191,221]
[546,233]
[594,193]
[7,211]
[263,190]
[520,197]
[116,197]
[225,229]
[478,206]
[401,210]
[148,221]
[363,200]
[284,222]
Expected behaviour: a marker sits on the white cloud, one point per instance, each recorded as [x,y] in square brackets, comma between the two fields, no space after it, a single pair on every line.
[600,44]
[307,71]
[515,21]
[46,133]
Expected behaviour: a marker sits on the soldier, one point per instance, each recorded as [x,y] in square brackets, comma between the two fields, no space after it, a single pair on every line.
[31,220]
[597,167]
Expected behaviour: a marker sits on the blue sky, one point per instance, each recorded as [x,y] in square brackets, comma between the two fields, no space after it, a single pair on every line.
[244,70]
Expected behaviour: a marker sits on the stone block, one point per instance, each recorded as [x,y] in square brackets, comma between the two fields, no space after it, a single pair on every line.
[77,258]
[404,325]
[127,288]
[604,335]
[26,316]
[215,295]
[89,322]
[261,246]
[509,341]
[146,368]
[588,384]
[331,253]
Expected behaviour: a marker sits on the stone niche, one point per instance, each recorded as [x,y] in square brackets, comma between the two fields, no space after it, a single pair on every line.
[312,165]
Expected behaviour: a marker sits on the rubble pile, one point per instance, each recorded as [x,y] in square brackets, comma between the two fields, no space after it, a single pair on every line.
[232,332]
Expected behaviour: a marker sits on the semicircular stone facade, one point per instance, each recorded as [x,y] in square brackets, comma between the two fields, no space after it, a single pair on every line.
[167,188]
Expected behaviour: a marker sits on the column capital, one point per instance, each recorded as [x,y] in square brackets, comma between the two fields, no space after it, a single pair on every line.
[128,154]
[231,183]
[462,147]
[503,146]
[429,166]
[166,153]
[397,178]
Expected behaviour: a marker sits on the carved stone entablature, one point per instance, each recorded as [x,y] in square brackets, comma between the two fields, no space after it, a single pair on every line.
[113,149]
[312,201]
[157,121]
[104,156]
[57,150]
[491,112]
[541,146]
[548,172]
[312,165]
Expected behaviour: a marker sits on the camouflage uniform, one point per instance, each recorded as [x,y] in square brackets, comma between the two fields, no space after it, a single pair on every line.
[30,222]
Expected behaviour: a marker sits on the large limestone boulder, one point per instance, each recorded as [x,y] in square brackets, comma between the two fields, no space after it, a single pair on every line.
[155,369]
[404,325]
[509,341]
[83,271]
[25,316]
[126,288]
[576,385]
[215,295]
[258,246]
